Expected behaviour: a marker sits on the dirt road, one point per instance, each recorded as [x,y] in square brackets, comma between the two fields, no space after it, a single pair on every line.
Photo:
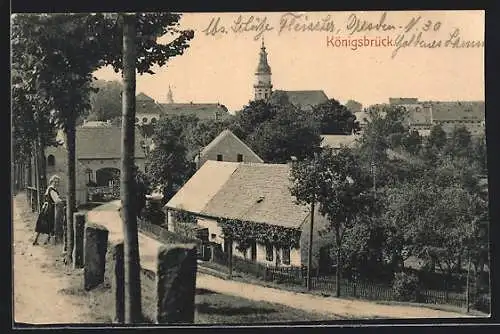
[40,280]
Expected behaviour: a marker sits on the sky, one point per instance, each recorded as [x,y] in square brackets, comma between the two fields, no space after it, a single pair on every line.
[219,67]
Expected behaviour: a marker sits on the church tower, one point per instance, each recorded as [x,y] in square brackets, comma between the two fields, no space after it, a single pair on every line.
[263,87]
[170,98]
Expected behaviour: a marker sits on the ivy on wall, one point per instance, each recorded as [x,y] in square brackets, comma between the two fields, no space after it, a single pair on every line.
[245,233]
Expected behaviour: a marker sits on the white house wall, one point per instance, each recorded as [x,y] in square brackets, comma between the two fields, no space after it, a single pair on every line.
[60,168]
[214,228]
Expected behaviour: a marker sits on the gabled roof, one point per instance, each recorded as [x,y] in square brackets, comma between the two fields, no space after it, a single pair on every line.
[457,110]
[143,97]
[103,143]
[202,186]
[254,192]
[228,135]
[335,141]
[305,99]
[200,110]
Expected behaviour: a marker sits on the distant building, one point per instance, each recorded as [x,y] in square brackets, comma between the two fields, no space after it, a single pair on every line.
[263,88]
[227,147]
[256,193]
[96,124]
[423,115]
[336,141]
[149,111]
[98,158]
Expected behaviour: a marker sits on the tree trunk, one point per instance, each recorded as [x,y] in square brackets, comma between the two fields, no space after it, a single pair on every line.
[133,309]
[42,164]
[71,186]
[338,268]
[37,178]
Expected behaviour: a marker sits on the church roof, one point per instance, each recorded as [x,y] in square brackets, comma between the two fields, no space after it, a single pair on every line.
[263,66]
[305,99]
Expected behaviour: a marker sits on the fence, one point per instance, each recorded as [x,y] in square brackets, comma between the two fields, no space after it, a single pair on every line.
[297,277]
[32,197]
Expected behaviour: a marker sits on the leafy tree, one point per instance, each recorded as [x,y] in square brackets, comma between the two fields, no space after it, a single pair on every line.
[288,134]
[354,106]
[340,187]
[168,166]
[334,118]
[106,103]
[251,116]
[412,142]
[459,143]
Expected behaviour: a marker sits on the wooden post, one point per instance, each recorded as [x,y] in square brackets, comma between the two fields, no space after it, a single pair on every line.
[79,235]
[119,284]
[309,253]
[230,258]
[176,283]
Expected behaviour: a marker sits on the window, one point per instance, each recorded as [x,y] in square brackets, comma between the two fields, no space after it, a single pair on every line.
[213,235]
[153,120]
[51,160]
[219,157]
[269,252]
[145,120]
[285,254]
[137,120]
[240,157]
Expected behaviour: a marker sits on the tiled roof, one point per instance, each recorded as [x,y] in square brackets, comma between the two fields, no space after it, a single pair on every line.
[202,186]
[459,110]
[143,97]
[335,141]
[254,192]
[200,110]
[228,135]
[305,99]
[103,143]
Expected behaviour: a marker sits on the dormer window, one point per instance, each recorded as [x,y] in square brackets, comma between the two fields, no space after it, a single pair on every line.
[219,157]
[239,158]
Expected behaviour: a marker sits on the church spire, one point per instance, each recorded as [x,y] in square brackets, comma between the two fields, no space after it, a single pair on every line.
[263,86]
[170,98]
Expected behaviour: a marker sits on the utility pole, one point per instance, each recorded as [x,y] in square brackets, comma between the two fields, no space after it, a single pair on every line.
[467,297]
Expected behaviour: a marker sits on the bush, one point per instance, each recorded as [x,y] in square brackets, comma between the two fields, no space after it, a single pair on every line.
[153,214]
[406,286]
[482,303]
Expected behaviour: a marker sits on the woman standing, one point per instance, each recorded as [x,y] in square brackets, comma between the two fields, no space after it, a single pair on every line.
[46,218]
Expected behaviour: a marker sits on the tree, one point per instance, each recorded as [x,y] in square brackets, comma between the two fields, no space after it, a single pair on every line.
[289,133]
[334,118]
[354,106]
[106,102]
[168,166]
[251,116]
[412,142]
[342,190]
[459,143]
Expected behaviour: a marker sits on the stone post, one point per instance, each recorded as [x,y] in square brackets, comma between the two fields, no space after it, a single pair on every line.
[176,283]
[170,221]
[96,244]
[119,283]
[79,235]
[58,221]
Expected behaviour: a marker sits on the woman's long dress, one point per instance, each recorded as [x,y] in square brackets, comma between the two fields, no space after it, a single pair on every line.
[46,220]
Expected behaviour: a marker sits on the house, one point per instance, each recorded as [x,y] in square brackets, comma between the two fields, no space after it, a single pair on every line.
[423,115]
[336,141]
[149,111]
[98,158]
[255,193]
[227,147]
